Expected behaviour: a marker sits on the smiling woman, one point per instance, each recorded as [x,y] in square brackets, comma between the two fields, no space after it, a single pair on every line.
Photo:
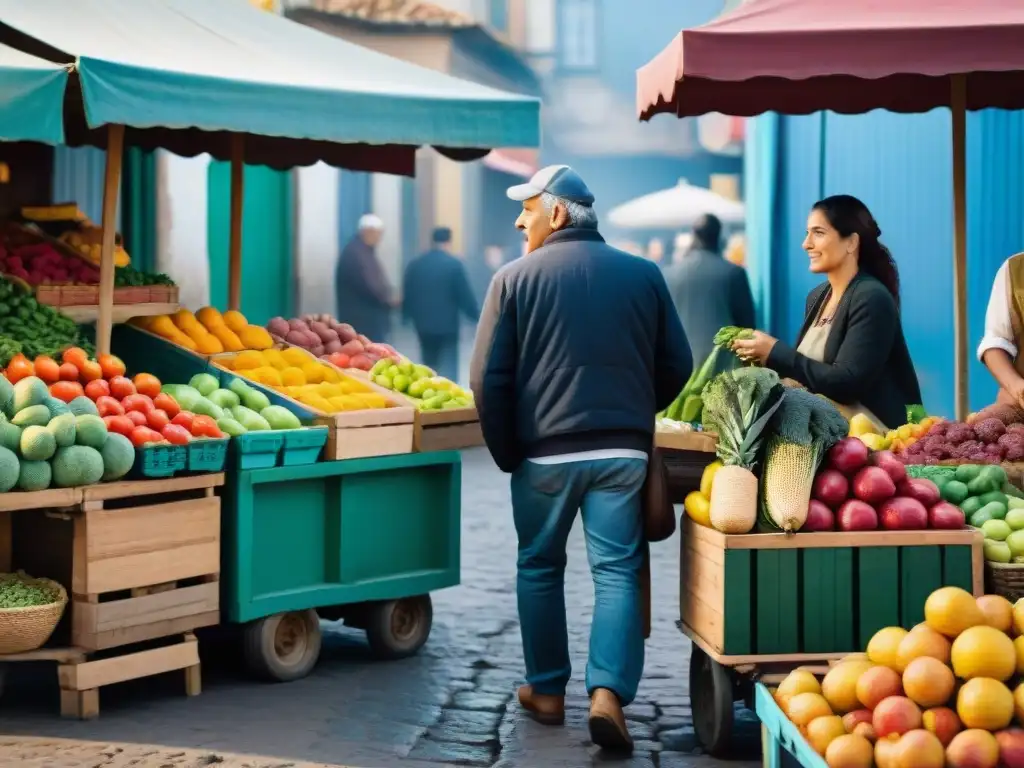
[851,348]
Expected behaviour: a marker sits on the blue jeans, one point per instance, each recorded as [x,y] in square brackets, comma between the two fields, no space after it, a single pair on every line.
[545,499]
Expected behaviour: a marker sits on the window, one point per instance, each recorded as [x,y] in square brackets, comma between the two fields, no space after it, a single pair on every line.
[577,34]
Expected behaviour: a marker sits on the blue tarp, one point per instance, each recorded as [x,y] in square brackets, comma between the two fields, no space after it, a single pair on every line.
[31,98]
[223,65]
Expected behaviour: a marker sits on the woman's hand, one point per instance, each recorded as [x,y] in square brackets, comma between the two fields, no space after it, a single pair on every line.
[755,349]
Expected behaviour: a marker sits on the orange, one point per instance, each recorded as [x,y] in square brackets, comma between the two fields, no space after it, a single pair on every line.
[147,384]
[111,365]
[75,356]
[90,370]
[47,369]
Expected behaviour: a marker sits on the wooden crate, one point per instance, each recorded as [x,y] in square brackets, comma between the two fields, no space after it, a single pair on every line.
[759,598]
[146,560]
[685,455]
[81,674]
[447,430]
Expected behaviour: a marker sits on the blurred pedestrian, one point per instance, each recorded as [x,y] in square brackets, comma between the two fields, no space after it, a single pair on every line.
[708,291]
[435,292]
[364,294]
[578,347]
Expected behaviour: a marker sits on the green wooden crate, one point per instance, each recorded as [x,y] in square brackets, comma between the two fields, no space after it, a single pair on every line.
[815,593]
[340,532]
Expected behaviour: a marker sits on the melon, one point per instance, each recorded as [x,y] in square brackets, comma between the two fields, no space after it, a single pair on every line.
[28,392]
[118,456]
[63,429]
[34,476]
[733,500]
[77,465]
[9,470]
[37,443]
[10,434]
[90,431]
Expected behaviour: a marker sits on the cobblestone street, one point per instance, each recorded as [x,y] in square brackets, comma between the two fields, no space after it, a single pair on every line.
[451,705]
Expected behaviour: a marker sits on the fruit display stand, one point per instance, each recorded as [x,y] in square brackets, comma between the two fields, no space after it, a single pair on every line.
[763,601]
[365,540]
[142,559]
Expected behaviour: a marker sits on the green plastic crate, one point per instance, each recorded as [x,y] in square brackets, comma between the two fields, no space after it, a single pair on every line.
[207,454]
[256,450]
[159,460]
[303,446]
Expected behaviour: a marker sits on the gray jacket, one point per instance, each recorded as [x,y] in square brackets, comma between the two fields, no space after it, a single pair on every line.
[709,293]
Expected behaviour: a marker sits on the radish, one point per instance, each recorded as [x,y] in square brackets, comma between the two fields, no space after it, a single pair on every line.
[831,488]
[857,515]
[894,467]
[873,484]
[848,455]
[946,516]
[922,489]
[819,517]
[903,514]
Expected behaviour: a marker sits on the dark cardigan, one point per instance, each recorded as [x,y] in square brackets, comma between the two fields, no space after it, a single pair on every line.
[866,357]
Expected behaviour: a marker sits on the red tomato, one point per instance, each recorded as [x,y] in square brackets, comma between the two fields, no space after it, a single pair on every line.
[138,418]
[68,372]
[142,435]
[137,403]
[166,403]
[108,406]
[121,387]
[123,425]
[176,435]
[157,419]
[204,426]
[96,389]
[184,419]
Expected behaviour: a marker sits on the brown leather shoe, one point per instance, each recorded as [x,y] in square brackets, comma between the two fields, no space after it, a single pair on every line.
[545,709]
[607,723]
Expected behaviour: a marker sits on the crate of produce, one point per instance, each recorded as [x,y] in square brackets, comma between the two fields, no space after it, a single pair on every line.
[256,450]
[358,429]
[207,454]
[754,597]
[144,351]
[303,446]
[132,294]
[157,460]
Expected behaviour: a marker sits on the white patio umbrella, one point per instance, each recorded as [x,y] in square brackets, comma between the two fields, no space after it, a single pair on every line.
[677,207]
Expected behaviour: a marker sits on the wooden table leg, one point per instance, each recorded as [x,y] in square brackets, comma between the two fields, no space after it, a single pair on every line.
[5,542]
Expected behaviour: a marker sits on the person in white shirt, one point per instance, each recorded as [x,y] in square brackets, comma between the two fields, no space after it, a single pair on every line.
[1004,330]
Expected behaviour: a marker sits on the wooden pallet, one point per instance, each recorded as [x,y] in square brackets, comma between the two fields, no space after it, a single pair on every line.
[81,674]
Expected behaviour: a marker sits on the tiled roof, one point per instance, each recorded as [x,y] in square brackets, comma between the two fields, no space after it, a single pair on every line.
[395,12]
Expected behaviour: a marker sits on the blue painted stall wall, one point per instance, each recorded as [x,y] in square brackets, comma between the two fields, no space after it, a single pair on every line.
[900,166]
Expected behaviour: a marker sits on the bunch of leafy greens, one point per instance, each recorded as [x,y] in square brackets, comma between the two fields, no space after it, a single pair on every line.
[738,405]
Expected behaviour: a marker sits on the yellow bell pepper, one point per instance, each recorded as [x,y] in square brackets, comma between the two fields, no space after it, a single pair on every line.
[708,477]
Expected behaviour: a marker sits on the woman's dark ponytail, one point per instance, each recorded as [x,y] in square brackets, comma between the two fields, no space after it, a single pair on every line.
[847,215]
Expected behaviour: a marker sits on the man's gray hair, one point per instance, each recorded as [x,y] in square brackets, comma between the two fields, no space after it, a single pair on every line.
[580,216]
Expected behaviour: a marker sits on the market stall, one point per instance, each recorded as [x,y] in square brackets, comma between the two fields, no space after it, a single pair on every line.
[204,446]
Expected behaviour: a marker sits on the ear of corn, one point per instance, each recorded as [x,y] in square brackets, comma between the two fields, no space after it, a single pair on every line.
[786,483]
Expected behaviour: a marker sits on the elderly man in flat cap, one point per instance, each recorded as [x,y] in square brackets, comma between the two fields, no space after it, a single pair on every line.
[364,295]
[577,349]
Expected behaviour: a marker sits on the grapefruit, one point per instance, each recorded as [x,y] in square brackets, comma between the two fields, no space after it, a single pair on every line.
[883,647]
[821,731]
[919,749]
[1018,646]
[849,751]
[878,683]
[985,703]
[1018,702]
[840,685]
[805,707]
[951,610]
[983,651]
[973,749]
[797,681]
[1018,616]
[922,640]
[998,612]
[928,682]
[895,716]
[943,722]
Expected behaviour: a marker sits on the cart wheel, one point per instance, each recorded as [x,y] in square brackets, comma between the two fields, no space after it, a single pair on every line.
[711,699]
[396,629]
[283,647]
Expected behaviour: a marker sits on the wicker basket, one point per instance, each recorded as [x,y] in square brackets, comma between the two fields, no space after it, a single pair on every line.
[1006,579]
[26,629]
